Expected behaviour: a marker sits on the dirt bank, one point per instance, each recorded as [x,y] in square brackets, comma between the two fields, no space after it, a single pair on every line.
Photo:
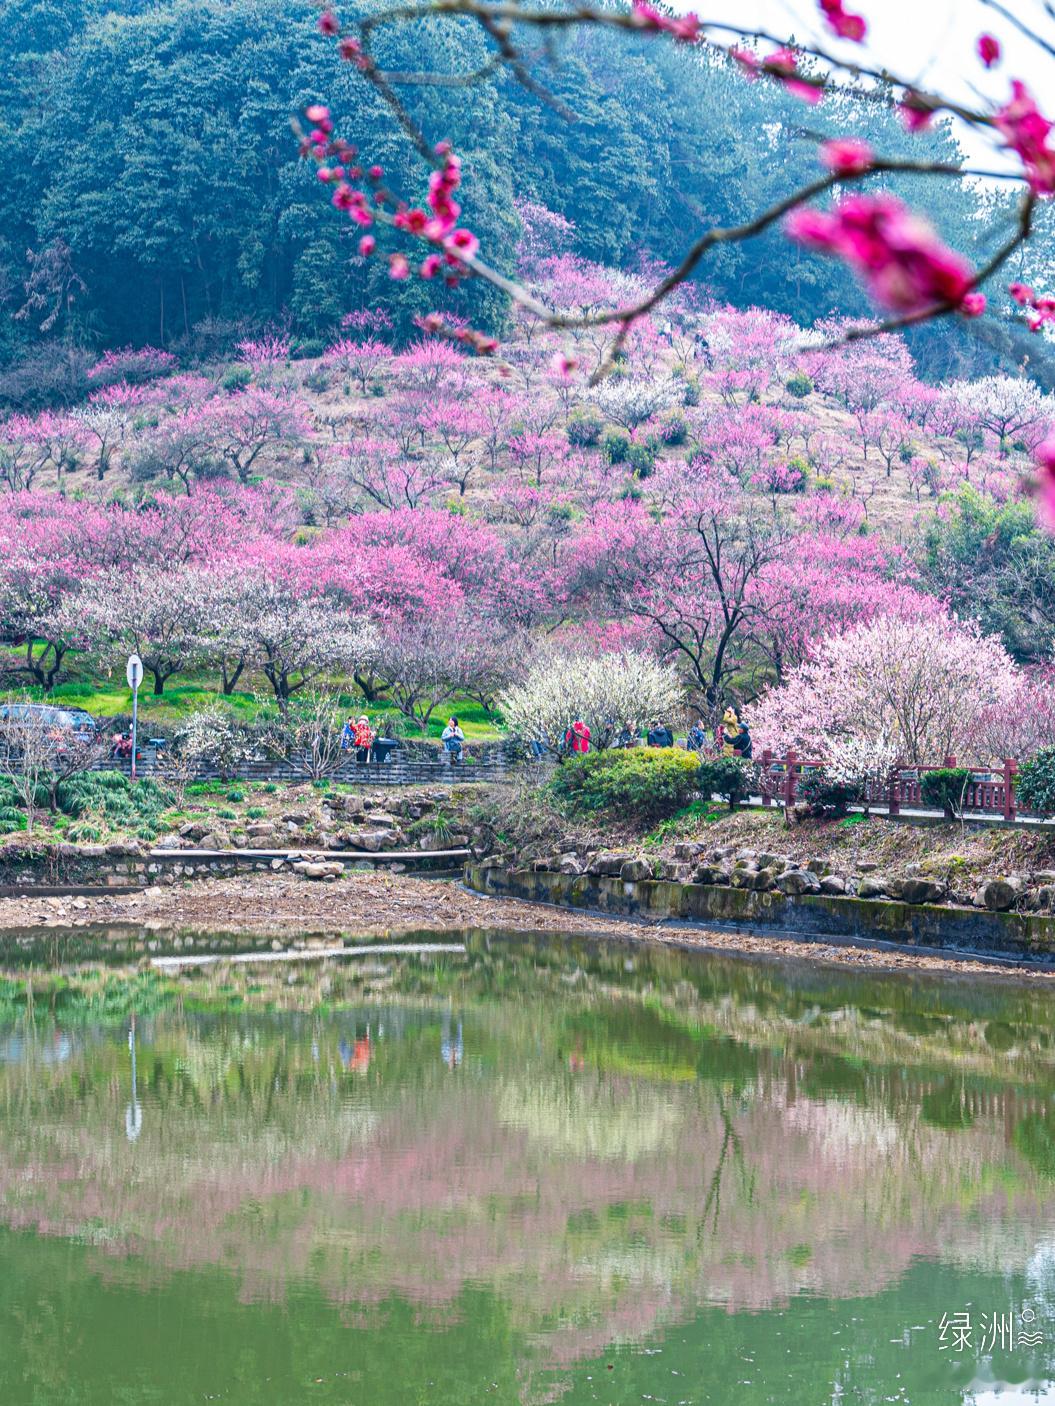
[381,904]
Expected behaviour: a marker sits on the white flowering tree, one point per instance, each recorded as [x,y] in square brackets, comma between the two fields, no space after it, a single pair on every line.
[208,737]
[630,401]
[158,615]
[920,689]
[291,637]
[607,691]
[1009,407]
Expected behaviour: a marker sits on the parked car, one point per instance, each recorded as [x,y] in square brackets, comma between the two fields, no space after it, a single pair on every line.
[78,724]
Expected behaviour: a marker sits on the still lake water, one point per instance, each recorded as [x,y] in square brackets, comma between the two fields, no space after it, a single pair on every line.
[526,1172]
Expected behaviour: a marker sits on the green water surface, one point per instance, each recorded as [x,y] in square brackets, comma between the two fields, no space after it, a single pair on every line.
[527,1172]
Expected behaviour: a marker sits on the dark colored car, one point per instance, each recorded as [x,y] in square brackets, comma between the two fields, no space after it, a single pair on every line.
[80,724]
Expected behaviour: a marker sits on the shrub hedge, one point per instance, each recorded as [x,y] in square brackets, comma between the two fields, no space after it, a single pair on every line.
[642,783]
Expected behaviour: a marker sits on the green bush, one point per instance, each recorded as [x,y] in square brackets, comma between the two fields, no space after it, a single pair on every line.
[11,819]
[727,777]
[615,445]
[672,428]
[641,458]
[111,796]
[691,394]
[944,787]
[235,795]
[799,385]
[825,796]
[317,380]
[584,428]
[309,347]
[236,378]
[641,783]
[255,812]
[1035,784]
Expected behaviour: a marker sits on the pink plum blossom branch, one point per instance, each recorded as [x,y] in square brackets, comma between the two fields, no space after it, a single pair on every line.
[906,268]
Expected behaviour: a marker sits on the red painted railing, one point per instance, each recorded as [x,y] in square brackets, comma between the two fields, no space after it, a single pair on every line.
[989,791]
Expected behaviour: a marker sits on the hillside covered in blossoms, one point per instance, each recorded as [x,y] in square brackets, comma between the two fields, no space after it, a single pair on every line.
[738,488]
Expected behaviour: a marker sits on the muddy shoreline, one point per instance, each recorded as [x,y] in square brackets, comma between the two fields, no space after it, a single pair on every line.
[374,905]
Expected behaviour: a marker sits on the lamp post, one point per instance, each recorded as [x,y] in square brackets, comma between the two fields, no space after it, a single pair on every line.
[134,1112]
[134,675]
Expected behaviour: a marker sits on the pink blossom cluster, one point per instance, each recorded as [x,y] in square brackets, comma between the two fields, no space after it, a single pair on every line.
[895,252]
[781,65]
[366,320]
[131,364]
[988,50]
[1045,457]
[685,28]
[1041,309]
[841,22]
[778,478]
[265,351]
[457,330]
[338,165]
[1025,131]
[847,156]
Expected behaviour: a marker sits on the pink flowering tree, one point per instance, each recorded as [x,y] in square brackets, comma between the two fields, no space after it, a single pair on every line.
[254,430]
[428,366]
[746,351]
[695,577]
[181,448]
[363,362]
[29,445]
[889,433]
[385,474]
[131,366]
[926,684]
[265,355]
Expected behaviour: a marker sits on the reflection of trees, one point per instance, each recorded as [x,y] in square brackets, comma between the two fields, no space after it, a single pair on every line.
[610,1154]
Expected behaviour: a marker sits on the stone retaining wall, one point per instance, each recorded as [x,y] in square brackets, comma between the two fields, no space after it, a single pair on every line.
[1024,936]
[119,865]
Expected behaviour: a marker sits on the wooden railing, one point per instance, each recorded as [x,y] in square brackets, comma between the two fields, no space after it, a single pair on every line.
[989,790]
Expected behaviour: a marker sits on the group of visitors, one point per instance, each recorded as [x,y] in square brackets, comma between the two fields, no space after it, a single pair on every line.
[358,736]
[371,745]
[368,744]
[732,738]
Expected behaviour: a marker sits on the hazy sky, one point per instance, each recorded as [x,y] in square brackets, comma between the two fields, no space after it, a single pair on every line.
[929,41]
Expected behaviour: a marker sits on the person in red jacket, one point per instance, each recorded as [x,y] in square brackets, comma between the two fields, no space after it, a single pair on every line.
[577,738]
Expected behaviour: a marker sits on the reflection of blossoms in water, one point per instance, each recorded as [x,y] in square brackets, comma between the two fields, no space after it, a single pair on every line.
[841,1131]
[592,1120]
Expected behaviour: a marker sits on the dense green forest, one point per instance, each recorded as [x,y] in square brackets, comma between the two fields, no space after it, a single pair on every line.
[153,191]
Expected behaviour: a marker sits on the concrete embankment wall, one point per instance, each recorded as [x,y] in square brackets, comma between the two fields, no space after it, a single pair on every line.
[119,865]
[1023,936]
